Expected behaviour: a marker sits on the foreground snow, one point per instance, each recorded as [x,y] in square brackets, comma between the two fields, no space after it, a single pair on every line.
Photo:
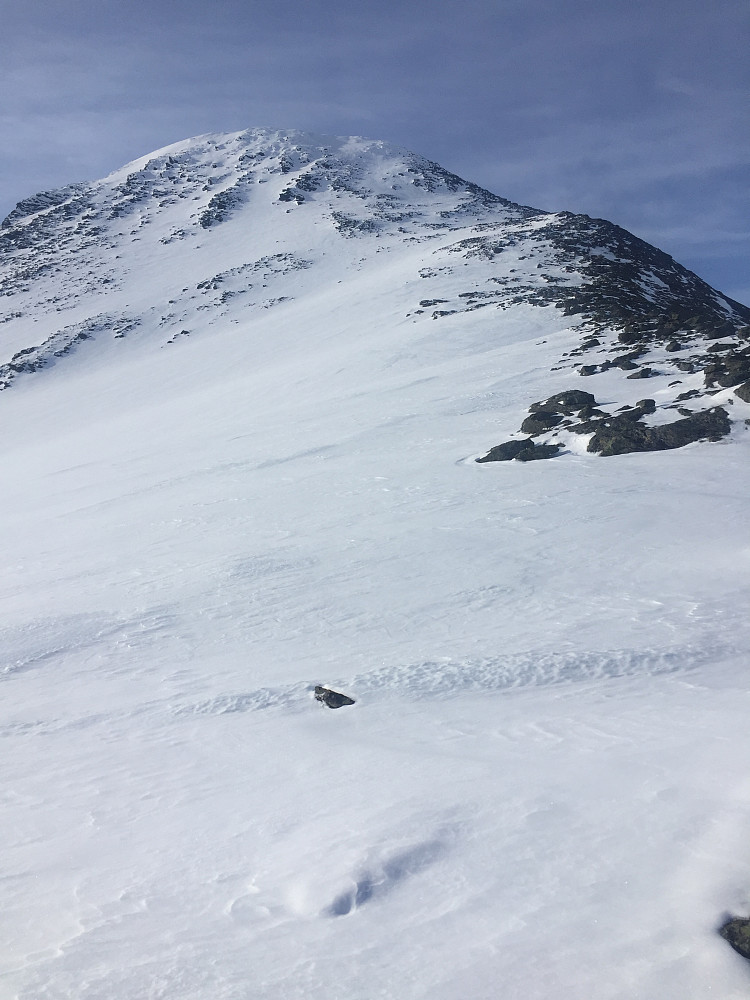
[542,790]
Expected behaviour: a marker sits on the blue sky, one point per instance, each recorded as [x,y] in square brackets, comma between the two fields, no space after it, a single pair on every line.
[634,112]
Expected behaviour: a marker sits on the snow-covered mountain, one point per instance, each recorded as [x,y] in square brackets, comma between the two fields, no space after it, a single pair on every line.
[213,230]
[255,389]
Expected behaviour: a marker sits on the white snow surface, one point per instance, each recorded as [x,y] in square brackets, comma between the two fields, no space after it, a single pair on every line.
[542,790]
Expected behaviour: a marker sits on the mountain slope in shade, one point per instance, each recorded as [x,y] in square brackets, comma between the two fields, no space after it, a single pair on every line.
[247,379]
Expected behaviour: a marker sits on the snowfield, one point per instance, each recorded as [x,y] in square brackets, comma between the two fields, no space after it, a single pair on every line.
[543,789]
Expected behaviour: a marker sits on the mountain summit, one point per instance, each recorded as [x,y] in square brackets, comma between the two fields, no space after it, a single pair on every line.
[220,229]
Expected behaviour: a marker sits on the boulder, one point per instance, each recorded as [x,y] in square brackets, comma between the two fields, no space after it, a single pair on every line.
[506,451]
[567,403]
[331,698]
[522,451]
[736,930]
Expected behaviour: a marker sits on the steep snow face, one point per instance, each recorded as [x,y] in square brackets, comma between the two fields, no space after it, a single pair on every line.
[238,450]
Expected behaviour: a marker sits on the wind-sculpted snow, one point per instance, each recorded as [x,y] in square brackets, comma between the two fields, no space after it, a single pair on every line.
[44,641]
[448,678]
[445,677]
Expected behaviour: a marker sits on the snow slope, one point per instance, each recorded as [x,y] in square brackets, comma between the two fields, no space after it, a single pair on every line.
[542,790]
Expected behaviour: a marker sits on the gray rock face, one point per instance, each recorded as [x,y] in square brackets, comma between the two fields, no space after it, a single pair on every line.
[736,931]
[624,433]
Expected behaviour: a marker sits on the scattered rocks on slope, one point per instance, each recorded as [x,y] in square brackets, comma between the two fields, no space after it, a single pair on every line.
[617,433]
[736,931]
[333,699]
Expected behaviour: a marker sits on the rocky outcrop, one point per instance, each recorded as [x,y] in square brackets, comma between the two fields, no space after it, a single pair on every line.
[625,433]
[521,451]
[618,433]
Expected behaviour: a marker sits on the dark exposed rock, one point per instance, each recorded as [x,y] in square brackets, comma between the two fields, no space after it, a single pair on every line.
[588,411]
[506,451]
[743,391]
[642,373]
[633,413]
[333,699]
[588,369]
[522,451]
[568,402]
[672,346]
[621,434]
[736,930]
[719,331]
[728,370]
[629,336]
[538,451]
[540,421]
